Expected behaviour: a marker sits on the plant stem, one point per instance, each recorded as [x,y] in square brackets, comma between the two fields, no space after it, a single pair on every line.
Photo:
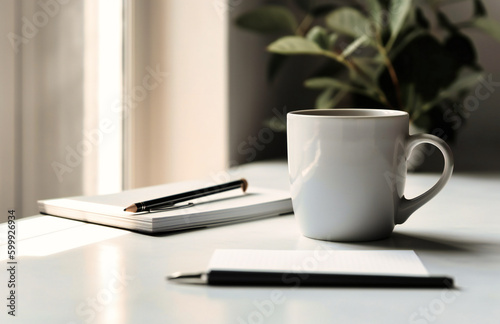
[393,75]
[304,25]
[380,95]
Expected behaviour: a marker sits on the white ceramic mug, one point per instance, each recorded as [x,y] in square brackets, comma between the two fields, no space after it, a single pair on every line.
[347,171]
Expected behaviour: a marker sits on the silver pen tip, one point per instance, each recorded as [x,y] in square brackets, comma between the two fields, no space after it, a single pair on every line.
[190,278]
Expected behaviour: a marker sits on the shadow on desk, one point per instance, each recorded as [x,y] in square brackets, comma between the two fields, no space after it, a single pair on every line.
[406,241]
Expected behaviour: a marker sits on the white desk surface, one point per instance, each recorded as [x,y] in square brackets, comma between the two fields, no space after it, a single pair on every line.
[73,272]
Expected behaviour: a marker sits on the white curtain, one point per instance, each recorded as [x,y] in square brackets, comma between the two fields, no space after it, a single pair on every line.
[46,105]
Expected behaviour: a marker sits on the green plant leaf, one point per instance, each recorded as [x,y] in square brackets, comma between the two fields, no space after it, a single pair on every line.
[462,83]
[489,26]
[331,83]
[294,45]
[319,35]
[324,100]
[375,12]
[398,11]
[479,9]
[332,39]
[376,59]
[349,21]
[268,19]
[338,97]
[351,48]
[400,46]
[324,82]
[330,98]
[370,66]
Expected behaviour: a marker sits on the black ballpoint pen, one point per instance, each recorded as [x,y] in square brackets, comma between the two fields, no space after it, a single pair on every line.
[258,278]
[169,201]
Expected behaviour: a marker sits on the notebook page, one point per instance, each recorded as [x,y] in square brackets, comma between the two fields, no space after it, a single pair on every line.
[387,262]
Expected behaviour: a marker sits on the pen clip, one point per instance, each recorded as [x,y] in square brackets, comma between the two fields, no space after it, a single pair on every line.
[173,207]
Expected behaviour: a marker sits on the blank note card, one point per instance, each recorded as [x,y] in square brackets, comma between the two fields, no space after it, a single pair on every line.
[388,262]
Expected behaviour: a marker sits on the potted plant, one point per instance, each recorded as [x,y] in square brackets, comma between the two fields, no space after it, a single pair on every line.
[397,54]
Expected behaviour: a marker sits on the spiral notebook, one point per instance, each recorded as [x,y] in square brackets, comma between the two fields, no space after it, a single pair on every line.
[219,209]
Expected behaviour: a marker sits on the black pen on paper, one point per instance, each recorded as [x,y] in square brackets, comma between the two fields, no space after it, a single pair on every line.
[170,201]
[262,278]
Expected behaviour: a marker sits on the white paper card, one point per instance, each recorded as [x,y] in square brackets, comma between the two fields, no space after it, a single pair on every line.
[387,262]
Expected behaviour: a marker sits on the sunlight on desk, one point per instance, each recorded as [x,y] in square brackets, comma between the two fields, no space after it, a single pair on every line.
[109,289]
[37,226]
[38,236]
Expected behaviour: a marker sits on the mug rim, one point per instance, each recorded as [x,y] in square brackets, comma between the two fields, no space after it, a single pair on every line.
[349,113]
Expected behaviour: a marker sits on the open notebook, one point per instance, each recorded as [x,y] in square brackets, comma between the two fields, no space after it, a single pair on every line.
[226,207]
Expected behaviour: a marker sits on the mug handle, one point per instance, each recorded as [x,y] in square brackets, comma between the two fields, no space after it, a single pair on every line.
[408,206]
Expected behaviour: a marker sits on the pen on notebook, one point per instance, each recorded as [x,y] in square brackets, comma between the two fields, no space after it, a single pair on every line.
[250,278]
[177,198]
